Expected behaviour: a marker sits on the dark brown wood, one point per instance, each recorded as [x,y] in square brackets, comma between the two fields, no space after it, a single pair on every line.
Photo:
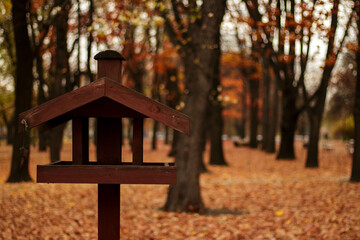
[58,110]
[105,107]
[137,147]
[147,106]
[110,68]
[109,140]
[109,211]
[63,104]
[80,140]
[66,172]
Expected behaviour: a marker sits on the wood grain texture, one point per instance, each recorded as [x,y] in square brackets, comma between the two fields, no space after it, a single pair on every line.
[134,104]
[108,211]
[147,106]
[65,172]
[63,104]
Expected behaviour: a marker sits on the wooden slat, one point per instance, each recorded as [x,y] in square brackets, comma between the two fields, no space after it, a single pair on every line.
[147,106]
[137,147]
[63,104]
[80,140]
[106,174]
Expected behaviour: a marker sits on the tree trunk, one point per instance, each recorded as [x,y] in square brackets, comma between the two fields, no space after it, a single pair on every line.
[172,152]
[43,135]
[23,91]
[43,138]
[56,139]
[216,121]
[172,99]
[185,195]
[203,168]
[215,130]
[273,117]
[62,56]
[315,114]
[10,126]
[199,63]
[288,125]
[90,42]
[241,123]
[355,171]
[317,109]
[265,123]
[313,149]
[254,95]
[166,140]
[154,137]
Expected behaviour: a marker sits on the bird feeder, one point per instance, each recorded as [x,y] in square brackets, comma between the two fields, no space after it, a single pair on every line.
[108,101]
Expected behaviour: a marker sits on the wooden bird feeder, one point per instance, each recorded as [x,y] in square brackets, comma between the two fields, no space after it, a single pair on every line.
[108,101]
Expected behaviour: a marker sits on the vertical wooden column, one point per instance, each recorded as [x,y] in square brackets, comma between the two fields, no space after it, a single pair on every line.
[109,141]
[80,138]
[138,141]
[109,211]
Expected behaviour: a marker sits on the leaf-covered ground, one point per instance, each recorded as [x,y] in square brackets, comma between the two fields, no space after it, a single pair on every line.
[255,197]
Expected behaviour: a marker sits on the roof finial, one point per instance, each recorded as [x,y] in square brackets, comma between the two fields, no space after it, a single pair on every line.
[109,54]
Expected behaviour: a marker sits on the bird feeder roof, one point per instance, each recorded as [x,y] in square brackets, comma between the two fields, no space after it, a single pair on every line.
[104,98]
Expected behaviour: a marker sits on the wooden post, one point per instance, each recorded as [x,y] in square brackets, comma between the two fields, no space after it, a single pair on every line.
[109,140]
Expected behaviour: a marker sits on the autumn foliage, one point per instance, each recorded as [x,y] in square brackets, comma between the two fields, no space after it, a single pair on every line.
[255,197]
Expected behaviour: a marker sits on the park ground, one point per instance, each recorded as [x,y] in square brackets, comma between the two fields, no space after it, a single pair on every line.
[255,197]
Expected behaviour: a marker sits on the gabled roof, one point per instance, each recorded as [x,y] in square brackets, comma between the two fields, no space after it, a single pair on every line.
[104,98]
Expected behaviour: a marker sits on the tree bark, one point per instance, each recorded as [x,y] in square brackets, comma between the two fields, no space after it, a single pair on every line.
[62,56]
[43,136]
[199,63]
[241,123]
[313,149]
[216,121]
[172,100]
[154,137]
[166,140]
[315,114]
[185,195]
[254,108]
[215,130]
[90,42]
[273,117]
[316,111]
[288,125]
[10,126]
[203,168]
[23,91]
[355,170]
[56,136]
[265,123]
[172,152]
